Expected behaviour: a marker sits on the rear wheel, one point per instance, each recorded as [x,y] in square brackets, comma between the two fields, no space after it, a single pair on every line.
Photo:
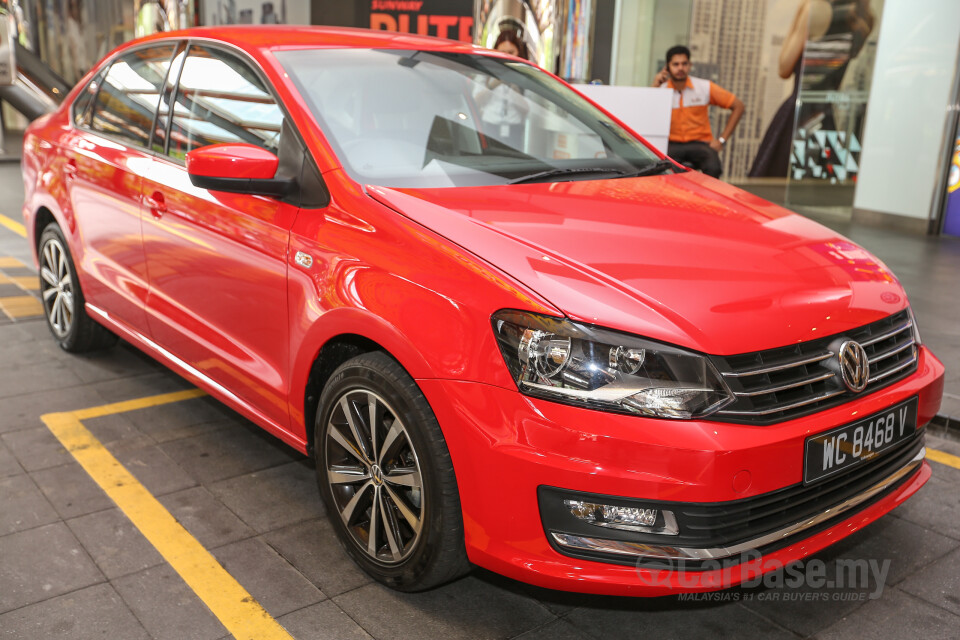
[386,476]
[62,297]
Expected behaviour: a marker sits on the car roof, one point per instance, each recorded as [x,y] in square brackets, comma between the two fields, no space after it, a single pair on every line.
[273,37]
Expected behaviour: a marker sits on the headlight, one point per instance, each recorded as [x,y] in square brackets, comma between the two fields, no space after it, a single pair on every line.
[568,362]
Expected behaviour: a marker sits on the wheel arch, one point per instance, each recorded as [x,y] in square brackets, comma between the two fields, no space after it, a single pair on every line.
[332,354]
[42,218]
[338,336]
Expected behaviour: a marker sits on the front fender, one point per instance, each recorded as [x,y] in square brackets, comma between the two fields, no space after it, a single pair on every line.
[374,273]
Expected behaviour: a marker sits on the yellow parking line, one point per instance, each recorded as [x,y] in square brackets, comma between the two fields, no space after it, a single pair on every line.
[27,283]
[944,458]
[236,609]
[16,307]
[10,263]
[13,225]
[4,279]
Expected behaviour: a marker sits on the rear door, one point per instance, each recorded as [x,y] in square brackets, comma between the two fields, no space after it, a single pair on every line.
[218,261]
[105,156]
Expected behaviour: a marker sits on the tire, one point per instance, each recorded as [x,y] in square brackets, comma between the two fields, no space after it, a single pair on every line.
[63,302]
[402,466]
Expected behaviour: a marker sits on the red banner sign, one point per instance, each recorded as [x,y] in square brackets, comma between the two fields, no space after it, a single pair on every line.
[443,19]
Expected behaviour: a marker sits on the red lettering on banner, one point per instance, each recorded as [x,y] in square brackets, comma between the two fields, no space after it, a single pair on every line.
[443,24]
[461,25]
[383,21]
[396,5]
[463,34]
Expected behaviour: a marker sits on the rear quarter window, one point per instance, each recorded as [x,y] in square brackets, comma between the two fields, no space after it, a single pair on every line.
[81,106]
[126,101]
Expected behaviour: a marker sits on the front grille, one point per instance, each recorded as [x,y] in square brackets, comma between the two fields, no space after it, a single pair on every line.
[789,382]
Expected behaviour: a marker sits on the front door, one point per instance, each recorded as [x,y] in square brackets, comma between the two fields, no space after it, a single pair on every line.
[217,261]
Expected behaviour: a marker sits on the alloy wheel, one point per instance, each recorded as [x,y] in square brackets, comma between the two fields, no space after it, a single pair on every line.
[57,287]
[373,472]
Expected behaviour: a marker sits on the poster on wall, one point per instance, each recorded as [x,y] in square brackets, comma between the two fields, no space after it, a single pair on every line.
[452,19]
[811,98]
[754,49]
[834,87]
[576,21]
[217,12]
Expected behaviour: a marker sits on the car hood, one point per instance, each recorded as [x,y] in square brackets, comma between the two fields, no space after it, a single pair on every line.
[679,258]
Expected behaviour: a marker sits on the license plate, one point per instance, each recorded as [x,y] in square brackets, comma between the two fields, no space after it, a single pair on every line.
[852,444]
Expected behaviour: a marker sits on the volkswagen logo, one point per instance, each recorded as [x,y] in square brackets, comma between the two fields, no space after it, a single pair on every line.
[854,366]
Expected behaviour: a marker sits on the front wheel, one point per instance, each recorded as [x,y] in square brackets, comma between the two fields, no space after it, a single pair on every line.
[62,297]
[386,476]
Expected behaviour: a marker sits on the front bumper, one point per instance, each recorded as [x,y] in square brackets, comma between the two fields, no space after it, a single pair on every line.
[505,446]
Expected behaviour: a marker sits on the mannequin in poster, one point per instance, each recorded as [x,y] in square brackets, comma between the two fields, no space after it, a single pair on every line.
[824,37]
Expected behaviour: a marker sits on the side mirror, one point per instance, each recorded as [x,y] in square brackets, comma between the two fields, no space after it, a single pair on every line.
[237,168]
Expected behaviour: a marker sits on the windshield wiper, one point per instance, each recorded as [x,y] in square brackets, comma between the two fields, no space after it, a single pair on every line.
[552,173]
[658,167]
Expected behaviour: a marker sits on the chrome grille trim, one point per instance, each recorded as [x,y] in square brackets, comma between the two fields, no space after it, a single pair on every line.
[890,372]
[903,327]
[782,367]
[799,383]
[765,412]
[788,382]
[891,352]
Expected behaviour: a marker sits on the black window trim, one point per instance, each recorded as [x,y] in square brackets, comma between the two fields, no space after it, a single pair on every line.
[102,73]
[181,47]
[226,47]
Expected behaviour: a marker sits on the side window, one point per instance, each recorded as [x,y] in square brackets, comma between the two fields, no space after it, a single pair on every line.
[127,101]
[220,99]
[81,106]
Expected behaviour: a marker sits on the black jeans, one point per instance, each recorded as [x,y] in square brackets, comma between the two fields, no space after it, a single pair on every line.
[699,155]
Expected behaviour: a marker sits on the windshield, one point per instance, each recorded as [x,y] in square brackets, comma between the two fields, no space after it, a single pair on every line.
[408,118]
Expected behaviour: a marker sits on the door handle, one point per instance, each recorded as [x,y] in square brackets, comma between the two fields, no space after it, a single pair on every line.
[156,204]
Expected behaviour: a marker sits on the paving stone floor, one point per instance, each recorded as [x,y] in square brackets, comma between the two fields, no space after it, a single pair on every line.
[72,565]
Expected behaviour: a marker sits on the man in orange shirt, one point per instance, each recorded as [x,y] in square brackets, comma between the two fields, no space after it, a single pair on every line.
[691,139]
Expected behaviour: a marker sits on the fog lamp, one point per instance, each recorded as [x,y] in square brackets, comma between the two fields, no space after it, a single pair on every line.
[625,518]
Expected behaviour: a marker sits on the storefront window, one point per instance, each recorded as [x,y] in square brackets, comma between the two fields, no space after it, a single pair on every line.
[835,72]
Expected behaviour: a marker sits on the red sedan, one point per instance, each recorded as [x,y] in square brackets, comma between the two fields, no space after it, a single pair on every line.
[509,332]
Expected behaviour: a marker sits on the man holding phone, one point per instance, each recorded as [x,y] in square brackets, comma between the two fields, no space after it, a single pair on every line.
[691,139]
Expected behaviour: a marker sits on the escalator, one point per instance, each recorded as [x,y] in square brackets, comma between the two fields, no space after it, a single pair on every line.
[37,89]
